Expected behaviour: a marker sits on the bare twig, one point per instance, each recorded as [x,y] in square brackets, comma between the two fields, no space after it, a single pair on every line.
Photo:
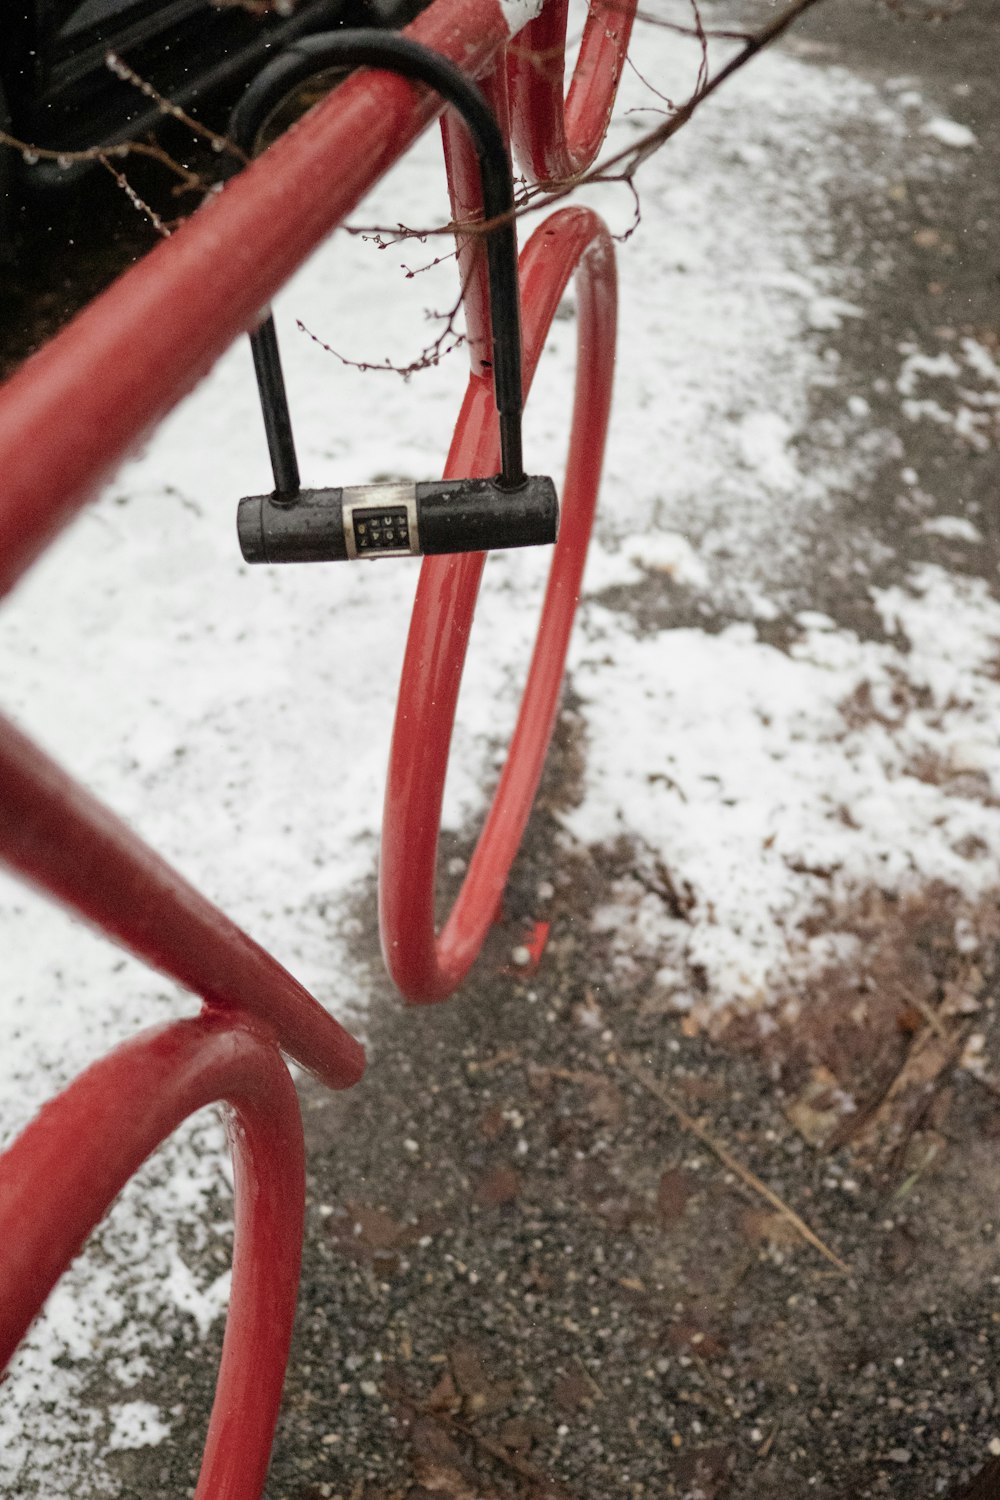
[631,157]
[624,164]
[653,1086]
[120,68]
[162,229]
[428,357]
[714,32]
[699,31]
[188,181]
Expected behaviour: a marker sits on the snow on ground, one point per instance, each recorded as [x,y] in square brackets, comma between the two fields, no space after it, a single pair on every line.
[240,718]
[769,782]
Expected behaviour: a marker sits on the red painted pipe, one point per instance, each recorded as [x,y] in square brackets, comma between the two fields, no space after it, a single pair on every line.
[426,967]
[557,139]
[62,839]
[65,1170]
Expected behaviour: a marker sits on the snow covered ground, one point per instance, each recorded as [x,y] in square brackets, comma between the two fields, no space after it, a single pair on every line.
[240,718]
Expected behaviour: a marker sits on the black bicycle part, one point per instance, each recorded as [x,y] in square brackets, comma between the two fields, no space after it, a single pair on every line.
[398,54]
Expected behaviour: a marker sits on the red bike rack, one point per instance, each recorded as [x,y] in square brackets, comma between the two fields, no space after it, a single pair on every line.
[115,1115]
[424,966]
[67,419]
[556,139]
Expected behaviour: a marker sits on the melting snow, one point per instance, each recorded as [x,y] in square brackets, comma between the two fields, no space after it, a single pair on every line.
[949,132]
[136,1424]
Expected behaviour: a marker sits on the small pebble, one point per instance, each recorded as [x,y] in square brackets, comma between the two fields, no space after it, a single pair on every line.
[521,956]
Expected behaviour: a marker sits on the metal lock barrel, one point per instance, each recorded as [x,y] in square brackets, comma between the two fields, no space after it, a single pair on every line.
[398,519]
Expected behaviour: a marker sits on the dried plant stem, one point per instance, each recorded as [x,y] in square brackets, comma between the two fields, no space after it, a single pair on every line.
[623,166]
[188,180]
[652,1085]
[120,68]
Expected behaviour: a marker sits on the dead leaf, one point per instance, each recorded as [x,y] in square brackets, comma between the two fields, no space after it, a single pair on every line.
[378,1230]
[572,1391]
[899,1249]
[438,1464]
[444,1396]
[761,1227]
[672,1196]
[691,1338]
[502,1185]
[886,1132]
[517,1434]
[704,1473]
[492,1124]
[396,1384]
[819,1109]
[480,1394]
[431,1440]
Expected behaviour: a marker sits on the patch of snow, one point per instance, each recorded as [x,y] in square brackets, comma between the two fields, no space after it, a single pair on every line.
[953,529]
[517,13]
[968,391]
[949,132]
[136,1424]
[670,553]
[764,440]
[608,569]
[824,313]
[766,782]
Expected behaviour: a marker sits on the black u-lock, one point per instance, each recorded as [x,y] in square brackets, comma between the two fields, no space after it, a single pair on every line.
[398,519]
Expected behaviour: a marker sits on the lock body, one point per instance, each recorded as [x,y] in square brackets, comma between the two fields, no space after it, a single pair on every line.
[398,520]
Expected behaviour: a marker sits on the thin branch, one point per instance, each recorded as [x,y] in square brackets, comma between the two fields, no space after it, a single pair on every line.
[715,33]
[188,181]
[623,165]
[120,68]
[162,229]
[699,31]
[632,157]
[430,356]
[653,1086]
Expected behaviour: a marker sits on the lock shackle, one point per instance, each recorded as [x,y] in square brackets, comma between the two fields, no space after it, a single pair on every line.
[393,53]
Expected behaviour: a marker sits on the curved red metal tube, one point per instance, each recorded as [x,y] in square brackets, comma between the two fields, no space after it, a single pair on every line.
[59,837]
[65,1170]
[557,140]
[425,967]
